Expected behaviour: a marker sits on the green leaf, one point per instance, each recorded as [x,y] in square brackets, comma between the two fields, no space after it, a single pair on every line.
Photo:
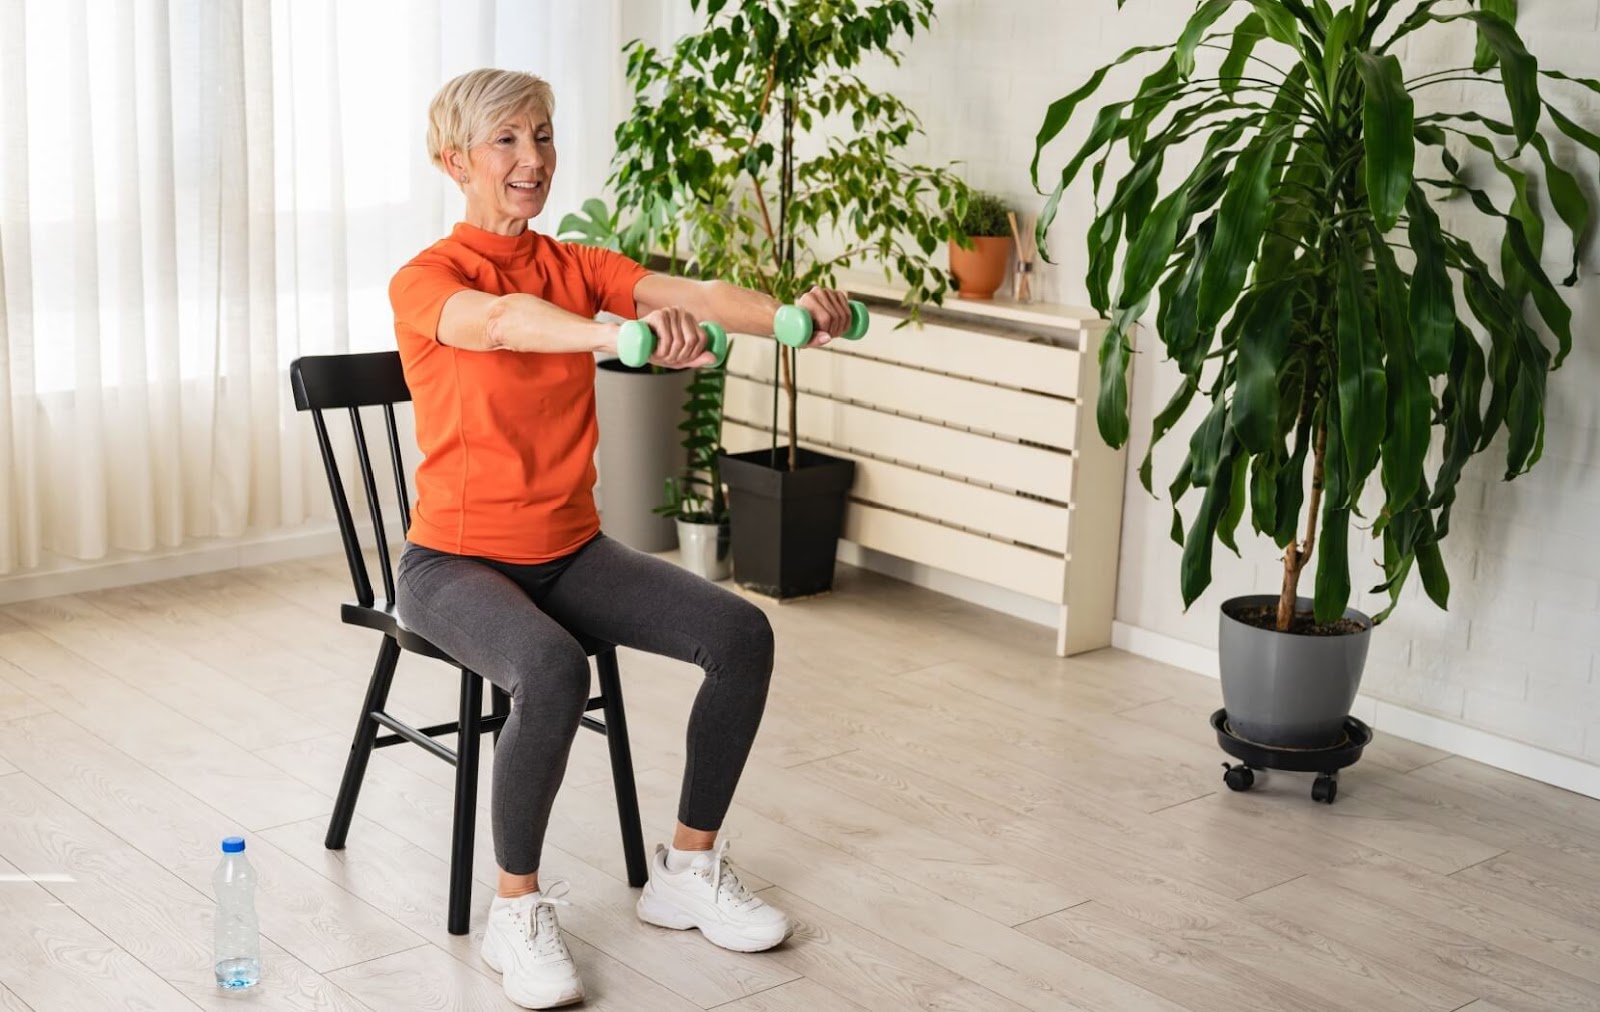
[1241,221]
[1176,491]
[1410,408]
[1523,207]
[1459,412]
[1176,319]
[1571,205]
[1163,424]
[1060,111]
[1229,524]
[1386,116]
[1149,249]
[1205,446]
[1484,59]
[1157,91]
[1519,254]
[1111,410]
[1264,472]
[1519,71]
[1263,342]
[1333,565]
[1525,414]
[1202,19]
[1434,579]
[1280,24]
[1291,487]
[1334,48]
[1363,391]
[1432,301]
[1587,82]
[1245,36]
[1294,221]
[1195,568]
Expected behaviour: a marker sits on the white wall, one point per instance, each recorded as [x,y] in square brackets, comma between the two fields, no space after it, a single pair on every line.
[1516,654]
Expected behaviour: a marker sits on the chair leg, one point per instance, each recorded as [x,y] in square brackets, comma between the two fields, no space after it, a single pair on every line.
[622,767]
[499,706]
[466,803]
[355,767]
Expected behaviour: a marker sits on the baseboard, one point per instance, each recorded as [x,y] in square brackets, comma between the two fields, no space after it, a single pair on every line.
[127,569]
[1468,742]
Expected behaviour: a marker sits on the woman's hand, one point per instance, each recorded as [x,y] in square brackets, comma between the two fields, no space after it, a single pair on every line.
[830,314]
[680,343]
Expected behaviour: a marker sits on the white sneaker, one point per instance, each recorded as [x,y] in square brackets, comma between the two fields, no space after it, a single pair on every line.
[523,943]
[708,895]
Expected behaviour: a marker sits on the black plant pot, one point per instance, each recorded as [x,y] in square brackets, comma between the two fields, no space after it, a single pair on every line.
[786,523]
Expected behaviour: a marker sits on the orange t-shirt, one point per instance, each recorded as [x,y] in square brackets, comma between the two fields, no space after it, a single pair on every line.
[507,438]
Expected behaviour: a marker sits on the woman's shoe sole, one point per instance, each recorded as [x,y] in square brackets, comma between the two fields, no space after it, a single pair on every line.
[664,915]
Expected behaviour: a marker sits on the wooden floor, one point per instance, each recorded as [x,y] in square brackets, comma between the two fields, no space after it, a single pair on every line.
[956,819]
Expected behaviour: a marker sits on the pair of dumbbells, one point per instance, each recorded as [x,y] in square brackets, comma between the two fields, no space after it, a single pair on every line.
[792,326]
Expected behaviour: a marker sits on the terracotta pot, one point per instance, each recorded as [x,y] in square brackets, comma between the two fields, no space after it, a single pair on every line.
[979,271]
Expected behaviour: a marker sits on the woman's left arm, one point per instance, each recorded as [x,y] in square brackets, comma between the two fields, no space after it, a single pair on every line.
[740,310]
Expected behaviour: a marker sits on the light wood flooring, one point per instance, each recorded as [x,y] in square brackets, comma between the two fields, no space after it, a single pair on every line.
[956,819]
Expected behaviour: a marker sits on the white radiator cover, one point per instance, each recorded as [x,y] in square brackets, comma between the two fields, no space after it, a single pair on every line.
[977,455]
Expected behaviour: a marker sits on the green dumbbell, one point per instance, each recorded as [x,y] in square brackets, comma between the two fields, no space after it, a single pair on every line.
[792,326]
[636,342]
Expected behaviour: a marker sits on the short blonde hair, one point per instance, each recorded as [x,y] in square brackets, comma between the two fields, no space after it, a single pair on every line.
[471,105]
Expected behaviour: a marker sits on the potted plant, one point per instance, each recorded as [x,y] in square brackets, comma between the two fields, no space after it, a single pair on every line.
[637,405]
[979,256]
[694,499]
[1309,290]
[790,171]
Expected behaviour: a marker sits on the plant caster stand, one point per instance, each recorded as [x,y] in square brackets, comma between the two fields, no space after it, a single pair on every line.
[1325,762]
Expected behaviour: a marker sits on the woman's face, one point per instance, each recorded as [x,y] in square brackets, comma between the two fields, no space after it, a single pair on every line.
[508,175]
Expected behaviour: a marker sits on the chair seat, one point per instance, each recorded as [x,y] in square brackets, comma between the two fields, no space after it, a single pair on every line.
[382,617]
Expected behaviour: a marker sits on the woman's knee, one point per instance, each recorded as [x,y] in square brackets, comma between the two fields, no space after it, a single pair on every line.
[551,673]
[741,640]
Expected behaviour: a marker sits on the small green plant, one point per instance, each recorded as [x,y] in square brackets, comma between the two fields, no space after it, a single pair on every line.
[646,233]
[696,494]
[987,214]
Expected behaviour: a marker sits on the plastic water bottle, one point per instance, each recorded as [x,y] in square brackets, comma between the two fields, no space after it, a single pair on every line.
[238,951]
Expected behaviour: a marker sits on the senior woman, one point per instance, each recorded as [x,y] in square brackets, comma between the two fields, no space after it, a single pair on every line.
[505,560]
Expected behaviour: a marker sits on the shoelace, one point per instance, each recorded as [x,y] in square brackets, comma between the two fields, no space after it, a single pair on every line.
[725,884]
[544,932]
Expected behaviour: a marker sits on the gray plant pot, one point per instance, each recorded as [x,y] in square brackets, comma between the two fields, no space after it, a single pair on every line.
[638,412]
[1288,690]
[704,549]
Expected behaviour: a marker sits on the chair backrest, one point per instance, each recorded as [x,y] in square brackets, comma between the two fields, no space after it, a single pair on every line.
[373,379]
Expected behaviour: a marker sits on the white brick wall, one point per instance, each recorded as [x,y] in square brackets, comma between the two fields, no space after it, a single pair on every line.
[1516,653]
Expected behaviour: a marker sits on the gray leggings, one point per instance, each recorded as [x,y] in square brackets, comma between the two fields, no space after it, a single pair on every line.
[510,624]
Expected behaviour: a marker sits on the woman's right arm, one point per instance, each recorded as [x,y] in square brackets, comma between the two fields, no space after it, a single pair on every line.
[478,321]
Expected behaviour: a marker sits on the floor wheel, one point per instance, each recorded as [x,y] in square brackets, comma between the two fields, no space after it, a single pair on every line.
[1238,778]
[1325,789]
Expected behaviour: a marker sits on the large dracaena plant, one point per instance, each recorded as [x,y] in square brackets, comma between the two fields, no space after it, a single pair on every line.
[1306,283]
[768,150]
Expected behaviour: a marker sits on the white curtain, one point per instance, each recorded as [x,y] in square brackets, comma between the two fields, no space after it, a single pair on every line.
[195,192]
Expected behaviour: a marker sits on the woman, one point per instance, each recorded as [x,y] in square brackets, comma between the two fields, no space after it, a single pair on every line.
[505,560]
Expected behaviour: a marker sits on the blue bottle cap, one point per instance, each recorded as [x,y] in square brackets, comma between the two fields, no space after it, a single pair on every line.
[233,845]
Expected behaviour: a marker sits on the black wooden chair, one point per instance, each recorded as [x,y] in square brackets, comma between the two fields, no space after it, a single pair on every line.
[326,382]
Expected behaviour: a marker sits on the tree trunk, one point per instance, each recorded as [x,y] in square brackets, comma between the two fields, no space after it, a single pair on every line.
[1295,559]
[786,233]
